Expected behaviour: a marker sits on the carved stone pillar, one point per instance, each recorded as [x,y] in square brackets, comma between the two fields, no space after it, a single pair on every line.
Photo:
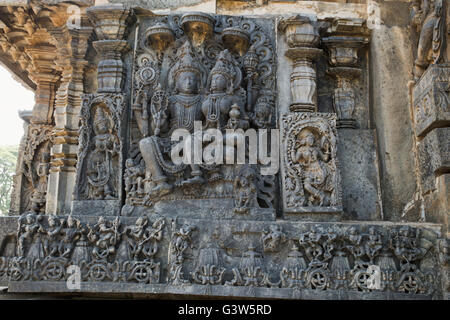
[431,108]
[345,38]
[302,37]
[72,47]
[110,25]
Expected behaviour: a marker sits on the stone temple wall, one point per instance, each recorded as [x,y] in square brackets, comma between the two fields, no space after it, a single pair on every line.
[327,123]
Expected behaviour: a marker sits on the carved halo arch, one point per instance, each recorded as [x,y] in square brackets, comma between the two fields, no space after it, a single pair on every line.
[319,128]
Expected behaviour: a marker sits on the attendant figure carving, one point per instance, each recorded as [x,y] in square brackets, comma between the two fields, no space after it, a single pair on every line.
[245,190]
[223,85]
[52,233]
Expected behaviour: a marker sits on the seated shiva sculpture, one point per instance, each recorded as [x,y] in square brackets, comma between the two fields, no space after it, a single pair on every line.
[184,108]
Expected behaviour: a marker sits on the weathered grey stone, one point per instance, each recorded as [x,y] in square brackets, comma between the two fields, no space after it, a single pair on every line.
[391,61]
[97,207]
[200,208]
[270,258]
[159,4]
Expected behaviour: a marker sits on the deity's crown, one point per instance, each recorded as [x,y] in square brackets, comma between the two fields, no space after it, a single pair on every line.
[225,65]
[186,61]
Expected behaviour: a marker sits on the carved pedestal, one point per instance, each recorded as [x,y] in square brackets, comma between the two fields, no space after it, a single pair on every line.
[201,257]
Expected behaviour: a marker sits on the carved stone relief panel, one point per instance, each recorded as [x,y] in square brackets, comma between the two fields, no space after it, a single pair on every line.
[310,174]
[430,20]
[213,77]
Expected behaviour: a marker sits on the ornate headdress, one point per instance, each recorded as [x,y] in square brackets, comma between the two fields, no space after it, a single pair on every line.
[186,61]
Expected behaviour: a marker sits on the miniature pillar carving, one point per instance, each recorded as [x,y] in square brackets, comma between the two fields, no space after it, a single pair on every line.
[346,37]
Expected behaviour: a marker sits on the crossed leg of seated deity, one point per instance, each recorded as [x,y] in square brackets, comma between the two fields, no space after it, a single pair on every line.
[148,152]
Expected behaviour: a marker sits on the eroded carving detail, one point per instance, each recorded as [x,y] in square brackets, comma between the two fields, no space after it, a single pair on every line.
[36,166]
[317,257]
[181,241]
[105,251]
[429,18]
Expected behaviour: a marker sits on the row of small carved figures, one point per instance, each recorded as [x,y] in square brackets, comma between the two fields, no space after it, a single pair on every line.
[139,241]
[149,272]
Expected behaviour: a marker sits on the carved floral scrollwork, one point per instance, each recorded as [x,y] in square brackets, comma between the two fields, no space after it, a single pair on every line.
[36,167]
